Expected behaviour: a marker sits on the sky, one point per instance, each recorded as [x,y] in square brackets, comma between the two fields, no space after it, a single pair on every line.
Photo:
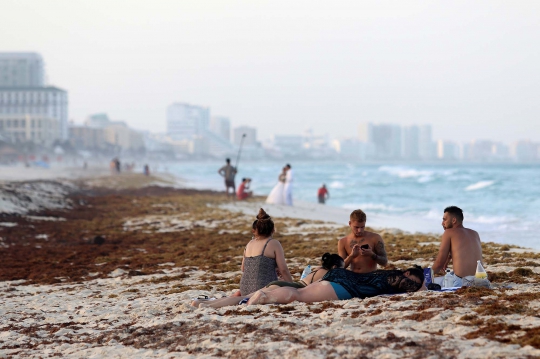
[469,68]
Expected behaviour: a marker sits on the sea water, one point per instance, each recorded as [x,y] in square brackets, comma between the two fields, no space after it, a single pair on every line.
[500,201]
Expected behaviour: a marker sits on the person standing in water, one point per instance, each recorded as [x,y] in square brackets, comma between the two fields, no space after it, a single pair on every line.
[228,172]
[322,194]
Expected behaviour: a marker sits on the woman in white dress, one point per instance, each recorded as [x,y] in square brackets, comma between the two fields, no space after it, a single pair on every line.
[277,195]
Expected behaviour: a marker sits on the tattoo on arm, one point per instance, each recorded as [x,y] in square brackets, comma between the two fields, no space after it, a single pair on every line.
[381,257]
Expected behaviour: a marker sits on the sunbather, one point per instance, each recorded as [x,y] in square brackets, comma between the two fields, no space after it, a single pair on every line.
[344,284]
[262,256]
[329,262]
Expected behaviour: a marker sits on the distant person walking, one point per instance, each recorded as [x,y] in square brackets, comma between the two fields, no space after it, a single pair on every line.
[146,170]
[228,172]
[323,194]
[277,195]
[289,185]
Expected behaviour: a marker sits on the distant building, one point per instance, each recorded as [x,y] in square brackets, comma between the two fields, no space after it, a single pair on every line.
[427,148]
[21,69]
[98,120]
[410,143]
[87,138]
[525,150]
[288,145]
[251,135]
[447,150]
[221,126]
[386,140]
[115,133]
[351,148]
[365,132]
[16,103]
[185,121]
[118,134]
[500,151]
[17,128]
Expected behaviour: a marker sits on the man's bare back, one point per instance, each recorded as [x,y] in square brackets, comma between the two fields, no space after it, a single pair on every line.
[362,260]
[461,245]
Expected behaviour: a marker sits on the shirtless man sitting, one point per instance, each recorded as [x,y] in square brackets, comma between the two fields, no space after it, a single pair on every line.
[360,249]
[461,245]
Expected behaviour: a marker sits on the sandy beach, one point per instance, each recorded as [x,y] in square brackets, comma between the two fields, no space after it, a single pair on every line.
[105,266]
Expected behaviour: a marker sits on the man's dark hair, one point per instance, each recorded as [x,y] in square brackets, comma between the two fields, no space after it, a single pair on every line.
[228,160]
[243,179]
[288,165]
[455,211]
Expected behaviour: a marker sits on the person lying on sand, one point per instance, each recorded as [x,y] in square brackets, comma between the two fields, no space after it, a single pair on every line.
[262,256]
[344,284]
[329,262]
[459,244]
[360,249]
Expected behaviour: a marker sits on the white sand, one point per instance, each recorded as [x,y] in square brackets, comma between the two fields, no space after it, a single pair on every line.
[125,317]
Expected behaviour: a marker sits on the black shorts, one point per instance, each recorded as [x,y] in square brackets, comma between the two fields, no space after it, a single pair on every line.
[229,183]
[321,199]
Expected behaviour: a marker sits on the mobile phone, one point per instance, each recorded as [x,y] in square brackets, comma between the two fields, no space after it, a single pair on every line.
[364,246]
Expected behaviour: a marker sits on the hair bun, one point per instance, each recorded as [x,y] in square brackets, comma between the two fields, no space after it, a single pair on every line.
[262,215]
[325,256]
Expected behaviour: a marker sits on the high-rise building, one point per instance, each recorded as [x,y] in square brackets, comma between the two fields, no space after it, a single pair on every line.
[386,140]
[21,103]
[525,150]
[427,148]
[365,132]
[21,69]
[185,121]
[410,143]
[251,135]
[221,126]
[447,150]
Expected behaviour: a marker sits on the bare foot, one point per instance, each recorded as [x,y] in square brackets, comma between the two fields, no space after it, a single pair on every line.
[197,302]
[258,298]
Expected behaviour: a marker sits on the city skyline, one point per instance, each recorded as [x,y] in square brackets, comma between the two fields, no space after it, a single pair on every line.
[446,64]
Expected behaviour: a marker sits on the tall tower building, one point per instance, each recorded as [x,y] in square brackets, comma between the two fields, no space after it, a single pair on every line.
[410,142]
[29,111]
[221,126]
[427,149]
[185,121]
[21,69]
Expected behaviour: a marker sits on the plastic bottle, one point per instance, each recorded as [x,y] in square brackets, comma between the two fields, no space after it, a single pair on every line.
[306,272]
[480,271]
[448,279]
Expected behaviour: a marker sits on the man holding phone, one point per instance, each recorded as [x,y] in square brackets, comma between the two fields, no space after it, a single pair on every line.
[360,249]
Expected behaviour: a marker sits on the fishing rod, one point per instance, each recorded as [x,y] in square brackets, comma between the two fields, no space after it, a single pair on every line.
[239,151]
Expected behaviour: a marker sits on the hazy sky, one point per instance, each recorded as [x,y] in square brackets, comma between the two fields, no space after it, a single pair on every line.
[470,68]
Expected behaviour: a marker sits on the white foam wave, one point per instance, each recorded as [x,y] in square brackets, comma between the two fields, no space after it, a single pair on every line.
[337,184]
[479,185]
[374,207]
[405,172]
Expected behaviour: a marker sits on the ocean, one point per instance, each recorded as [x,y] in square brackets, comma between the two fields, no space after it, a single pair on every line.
[500,201]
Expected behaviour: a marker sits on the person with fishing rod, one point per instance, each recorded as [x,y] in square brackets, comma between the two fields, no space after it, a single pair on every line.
[229,172]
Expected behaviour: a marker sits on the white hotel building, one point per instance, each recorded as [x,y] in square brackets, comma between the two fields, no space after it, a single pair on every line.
[37,114]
